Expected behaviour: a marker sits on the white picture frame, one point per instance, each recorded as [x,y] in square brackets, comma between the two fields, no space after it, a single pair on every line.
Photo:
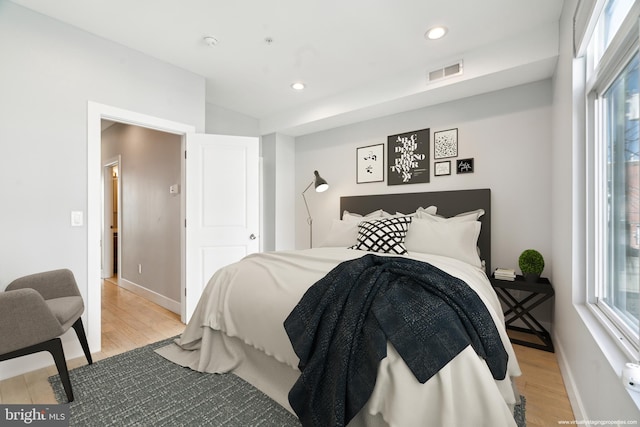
[370,164]
[442,168]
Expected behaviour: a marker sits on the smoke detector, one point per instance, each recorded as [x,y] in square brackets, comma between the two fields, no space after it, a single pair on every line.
[210,41]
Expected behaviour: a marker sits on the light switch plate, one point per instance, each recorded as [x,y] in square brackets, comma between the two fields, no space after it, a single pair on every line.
[77,219]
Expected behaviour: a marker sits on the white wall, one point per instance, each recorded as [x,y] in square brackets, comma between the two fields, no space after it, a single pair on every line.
[507,133]
[48,74]
[591,377]
[268,189]
[285,193]
[222,121]
[278,186]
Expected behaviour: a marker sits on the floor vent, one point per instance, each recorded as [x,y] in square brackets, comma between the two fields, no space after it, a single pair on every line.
[448,71]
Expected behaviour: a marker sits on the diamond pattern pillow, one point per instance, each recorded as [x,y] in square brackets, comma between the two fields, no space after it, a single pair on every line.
[384,235]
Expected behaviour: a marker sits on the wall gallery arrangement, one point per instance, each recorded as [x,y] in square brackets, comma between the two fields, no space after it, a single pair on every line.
[445,145]
[408,158]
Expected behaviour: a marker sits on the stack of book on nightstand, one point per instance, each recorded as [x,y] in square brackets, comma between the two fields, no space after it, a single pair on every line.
[505,274]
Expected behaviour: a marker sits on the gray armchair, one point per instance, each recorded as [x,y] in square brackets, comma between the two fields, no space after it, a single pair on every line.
[34,311]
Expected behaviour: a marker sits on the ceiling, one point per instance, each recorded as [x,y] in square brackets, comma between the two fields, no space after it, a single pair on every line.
[359,59]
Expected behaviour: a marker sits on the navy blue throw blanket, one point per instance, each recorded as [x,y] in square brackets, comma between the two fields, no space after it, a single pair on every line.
[341,326]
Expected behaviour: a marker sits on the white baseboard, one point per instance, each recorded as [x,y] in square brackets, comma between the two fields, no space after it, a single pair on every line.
[572,390]
[150,295]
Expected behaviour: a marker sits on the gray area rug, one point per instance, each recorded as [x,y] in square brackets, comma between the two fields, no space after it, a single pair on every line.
[141,388]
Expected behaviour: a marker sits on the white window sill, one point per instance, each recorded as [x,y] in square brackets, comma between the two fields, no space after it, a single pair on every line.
[615,352]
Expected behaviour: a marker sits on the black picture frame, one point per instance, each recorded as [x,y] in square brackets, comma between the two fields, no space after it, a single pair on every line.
[442,168]
[464,165]
[370,164]
[408,157]
[445,144]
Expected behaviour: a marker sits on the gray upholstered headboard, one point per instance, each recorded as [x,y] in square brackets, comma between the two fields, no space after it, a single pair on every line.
[449,203]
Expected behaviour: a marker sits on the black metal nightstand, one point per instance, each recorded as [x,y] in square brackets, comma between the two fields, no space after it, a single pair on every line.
[520,308]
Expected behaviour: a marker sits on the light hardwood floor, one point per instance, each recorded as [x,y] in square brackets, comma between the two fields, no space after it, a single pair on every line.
[129,321]
[543,388]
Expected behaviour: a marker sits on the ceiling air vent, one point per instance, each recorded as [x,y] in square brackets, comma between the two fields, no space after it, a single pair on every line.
[448,71]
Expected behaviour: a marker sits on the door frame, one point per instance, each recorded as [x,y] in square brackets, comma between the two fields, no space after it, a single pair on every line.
[95,113]
[107,202]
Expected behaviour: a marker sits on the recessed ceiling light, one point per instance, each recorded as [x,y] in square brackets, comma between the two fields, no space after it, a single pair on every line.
[298,86]
[436,33]
[210,41]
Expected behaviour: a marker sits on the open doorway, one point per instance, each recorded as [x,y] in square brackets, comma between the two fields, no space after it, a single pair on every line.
[95,114]
[212,160]
[142,217]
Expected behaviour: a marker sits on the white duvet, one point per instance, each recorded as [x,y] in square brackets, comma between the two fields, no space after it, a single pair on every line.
[249,301]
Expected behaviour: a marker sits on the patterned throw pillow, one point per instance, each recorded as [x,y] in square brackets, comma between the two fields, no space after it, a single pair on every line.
[385,235]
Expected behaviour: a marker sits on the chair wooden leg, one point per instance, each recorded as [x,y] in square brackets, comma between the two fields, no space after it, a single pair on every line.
[54,347]
[77,326]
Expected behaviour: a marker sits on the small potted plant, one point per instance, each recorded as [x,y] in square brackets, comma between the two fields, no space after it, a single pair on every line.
[531,263]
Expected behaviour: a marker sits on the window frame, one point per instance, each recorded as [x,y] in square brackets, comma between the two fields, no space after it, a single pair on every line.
[599,78]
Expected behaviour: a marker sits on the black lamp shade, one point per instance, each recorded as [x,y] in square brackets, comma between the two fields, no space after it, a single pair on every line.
[320,183]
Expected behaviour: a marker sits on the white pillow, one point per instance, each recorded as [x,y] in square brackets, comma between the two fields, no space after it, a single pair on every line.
[431,210]
[346,215]
[455,239]
[465,216]
[341,234]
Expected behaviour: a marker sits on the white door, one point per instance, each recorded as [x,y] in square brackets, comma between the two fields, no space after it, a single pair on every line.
[222,207]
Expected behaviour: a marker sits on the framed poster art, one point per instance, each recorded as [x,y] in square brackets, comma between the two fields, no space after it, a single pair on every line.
[464,166]
[442,168]
[370,164]
[408,157]
[445,144]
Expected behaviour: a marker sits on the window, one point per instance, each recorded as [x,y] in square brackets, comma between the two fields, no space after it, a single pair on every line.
[608,24]
[613,123]
[619,290]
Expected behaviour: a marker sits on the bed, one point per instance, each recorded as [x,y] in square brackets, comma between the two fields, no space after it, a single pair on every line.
[238,325]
